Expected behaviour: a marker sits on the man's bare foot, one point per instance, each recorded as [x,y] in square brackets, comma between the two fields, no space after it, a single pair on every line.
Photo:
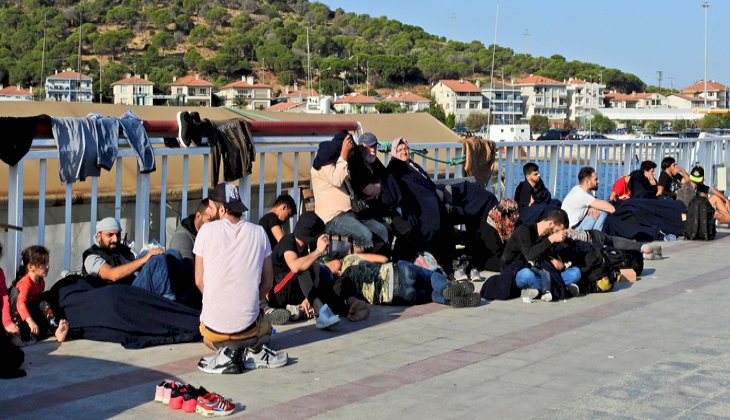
[61,331]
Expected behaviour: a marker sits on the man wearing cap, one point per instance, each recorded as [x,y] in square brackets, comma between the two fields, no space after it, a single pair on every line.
[716,198]
[298,278]
[233,272]
[109,259]
[367,172]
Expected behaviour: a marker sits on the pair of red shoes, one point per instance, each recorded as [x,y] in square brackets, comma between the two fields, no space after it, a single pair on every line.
[179,396]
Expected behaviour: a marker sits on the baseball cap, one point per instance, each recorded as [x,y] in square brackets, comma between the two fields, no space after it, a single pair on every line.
[697,174]
[228,194]
[368,139]
[309,227]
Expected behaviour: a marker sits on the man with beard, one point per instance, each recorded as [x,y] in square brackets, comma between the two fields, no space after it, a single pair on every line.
[110,260]
[585,211]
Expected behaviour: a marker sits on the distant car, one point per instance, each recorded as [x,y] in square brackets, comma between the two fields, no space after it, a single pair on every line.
[555,134]
[462,131]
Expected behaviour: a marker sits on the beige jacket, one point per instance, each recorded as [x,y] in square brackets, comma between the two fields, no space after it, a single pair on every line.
[331,197]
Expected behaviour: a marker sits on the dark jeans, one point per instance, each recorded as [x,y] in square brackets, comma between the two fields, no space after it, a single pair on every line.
[137,138]
[155,277]
[362,232]
[416,285]
[311,284]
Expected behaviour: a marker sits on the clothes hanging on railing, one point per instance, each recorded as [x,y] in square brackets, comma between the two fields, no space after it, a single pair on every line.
[480,159]
[231,143]
[23,131]
[137,138]
[106,134]
[77,153]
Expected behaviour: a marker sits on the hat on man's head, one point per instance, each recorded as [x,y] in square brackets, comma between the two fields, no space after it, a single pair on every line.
[368,139]
[228,194]
[697,174]
[107,224]
[309,227]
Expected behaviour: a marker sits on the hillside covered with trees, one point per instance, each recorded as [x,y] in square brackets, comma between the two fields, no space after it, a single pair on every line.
[223,40]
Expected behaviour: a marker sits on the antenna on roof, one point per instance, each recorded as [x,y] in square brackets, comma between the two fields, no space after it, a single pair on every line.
[491,73]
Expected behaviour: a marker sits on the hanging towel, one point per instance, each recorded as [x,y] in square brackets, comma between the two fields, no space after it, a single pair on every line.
[13,148]
[480,159]
[76,148]
[137,138]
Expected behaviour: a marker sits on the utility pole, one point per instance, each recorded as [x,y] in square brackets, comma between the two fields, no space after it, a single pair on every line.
[659,78]
[78,85]
[526,41]
[705,5]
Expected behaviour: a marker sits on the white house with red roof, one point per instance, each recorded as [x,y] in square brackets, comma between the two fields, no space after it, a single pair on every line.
[133,90]
[409,101]
[642,100]
[584,98]
[245,91]
[296,94]
[69,86]
[544,96]
[192,90]
[356,103]
[15,93]
[458,97]
[693,96]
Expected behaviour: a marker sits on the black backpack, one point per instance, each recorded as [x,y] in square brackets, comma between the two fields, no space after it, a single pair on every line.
[700,223]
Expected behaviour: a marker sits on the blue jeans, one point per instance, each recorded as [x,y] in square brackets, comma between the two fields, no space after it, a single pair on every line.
[155,277]
[529,278]
[77,154]
[590,223]
[415,284]
[137,138]
[361,231]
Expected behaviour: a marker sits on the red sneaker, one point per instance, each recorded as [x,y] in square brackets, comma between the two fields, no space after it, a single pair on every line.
[214,405]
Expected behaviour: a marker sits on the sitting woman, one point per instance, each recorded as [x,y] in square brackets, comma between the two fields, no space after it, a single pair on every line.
[332,194]
[642,183]
[495,230]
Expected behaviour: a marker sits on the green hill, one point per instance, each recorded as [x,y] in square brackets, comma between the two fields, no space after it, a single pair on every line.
[226,39]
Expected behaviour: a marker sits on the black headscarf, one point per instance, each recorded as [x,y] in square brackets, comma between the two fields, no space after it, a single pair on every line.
[329,151]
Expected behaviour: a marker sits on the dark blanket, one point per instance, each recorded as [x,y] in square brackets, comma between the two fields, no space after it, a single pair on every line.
[646,220]
[124,314]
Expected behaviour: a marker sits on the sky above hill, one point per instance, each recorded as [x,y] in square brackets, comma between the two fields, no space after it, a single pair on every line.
[635,36]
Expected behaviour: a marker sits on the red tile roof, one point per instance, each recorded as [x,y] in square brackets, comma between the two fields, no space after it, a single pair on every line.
[190,81]
[300,93]
[461,86]
[537,80]
[245,85]
[285,106]
[70,74]
[576,81]
[406,97]
[712,86]
[135,80]
[356,98]
[15,91]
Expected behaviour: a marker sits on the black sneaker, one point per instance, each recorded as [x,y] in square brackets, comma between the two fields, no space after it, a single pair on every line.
[196,134]
[224,361]
[456,289]
[183,129]
[468,301]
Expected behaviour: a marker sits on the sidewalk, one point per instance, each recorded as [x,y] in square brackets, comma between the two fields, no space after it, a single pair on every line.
[659,348]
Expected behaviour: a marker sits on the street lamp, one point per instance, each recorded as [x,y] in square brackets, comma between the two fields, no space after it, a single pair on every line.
[705,5]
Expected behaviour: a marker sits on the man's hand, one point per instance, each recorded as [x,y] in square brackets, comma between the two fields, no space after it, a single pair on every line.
[359,310]
[558,264]
[372,190]
[594,213]
[307,308]
[347,145]
[12,329]
[322,242]
[33,326]
[152,252]
[558,236]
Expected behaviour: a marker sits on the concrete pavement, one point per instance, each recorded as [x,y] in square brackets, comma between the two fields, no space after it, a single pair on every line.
[659,348]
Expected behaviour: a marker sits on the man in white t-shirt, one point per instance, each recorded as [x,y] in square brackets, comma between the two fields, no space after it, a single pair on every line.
[233,271]
[585,211]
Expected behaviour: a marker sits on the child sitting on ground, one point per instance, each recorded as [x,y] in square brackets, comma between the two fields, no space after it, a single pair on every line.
[32,314]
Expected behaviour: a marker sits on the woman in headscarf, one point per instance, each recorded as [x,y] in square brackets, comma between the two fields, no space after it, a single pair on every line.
[332,194]
[494,232]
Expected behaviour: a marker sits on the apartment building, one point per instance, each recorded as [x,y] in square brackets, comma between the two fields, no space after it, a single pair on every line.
[584,98]
[544,96]
[693,96]
[504,102]
[68,86]
[458,97]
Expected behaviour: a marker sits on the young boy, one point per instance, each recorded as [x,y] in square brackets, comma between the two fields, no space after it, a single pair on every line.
[34,317]
[283,208]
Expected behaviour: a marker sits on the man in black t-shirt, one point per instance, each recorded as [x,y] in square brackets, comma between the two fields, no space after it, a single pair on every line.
[272,222]
[671,178]
[716,198]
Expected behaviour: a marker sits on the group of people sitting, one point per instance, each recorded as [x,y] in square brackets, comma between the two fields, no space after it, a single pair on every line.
[244,277]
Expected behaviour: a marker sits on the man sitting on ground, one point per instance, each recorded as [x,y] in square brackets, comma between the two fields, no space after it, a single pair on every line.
[114,262]
[671,179]
[298,281]
[532,245]
[233,272]
[282,209]
[620,189]
[585,211]
[642,183]
[716,198]
[532,190]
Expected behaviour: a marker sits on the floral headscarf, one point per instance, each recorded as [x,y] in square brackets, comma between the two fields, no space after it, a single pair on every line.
[503,218]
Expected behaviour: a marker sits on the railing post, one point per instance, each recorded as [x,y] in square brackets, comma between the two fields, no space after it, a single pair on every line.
[15,215]
[553,181]
[509,163]
[142,211]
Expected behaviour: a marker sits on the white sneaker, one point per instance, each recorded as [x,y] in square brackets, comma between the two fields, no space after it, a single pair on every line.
[474,275]
[547,297]
[326,318]
[529,294]
[460,275]
[265,358]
